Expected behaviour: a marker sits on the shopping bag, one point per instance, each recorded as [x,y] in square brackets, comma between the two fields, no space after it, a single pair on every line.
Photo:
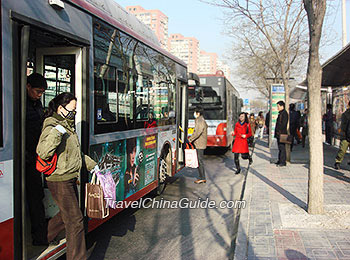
[108,186]
[191,159]
[299,134]
[286,139]
[95,203]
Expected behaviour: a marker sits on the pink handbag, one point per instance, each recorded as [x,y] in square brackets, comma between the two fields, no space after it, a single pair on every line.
[108,186]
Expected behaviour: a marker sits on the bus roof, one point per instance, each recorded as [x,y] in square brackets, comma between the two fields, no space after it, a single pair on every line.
[219,74]
[113,13]
[211,78]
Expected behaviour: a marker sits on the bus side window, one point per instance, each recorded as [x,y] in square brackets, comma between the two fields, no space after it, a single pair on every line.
[142,97]
[105,94]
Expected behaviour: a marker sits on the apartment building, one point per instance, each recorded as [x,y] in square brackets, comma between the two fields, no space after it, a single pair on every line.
[186,49]
[155,19]
[225,68]
[207,62]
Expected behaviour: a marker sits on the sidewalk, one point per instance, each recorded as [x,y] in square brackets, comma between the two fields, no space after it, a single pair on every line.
[275,225]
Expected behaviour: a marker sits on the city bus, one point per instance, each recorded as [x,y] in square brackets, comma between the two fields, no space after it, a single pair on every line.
[221,104]
[121,77]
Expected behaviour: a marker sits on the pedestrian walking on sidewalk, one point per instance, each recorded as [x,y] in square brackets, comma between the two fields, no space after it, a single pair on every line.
[281,128]
[261,125]
[241,133]
[294,123]
[328,118]
[305,126]
[252,122]
[199,139]
[344,137]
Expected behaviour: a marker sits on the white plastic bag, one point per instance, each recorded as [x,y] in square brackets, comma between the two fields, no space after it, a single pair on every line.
[191,159]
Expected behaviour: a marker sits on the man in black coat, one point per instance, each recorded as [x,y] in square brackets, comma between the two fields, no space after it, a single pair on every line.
[281,128]
[294,123]
[328,118]
[36,86]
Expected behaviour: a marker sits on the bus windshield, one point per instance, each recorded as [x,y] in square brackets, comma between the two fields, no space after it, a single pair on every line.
[210,98]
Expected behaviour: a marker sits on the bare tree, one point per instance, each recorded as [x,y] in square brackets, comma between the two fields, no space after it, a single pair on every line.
[277,26]
[315,12]
[258,65]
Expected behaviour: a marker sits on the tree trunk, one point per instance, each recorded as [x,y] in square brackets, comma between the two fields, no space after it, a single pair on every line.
[315,10]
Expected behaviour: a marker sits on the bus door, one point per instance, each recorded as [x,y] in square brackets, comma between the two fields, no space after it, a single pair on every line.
[183,123]
[62,68]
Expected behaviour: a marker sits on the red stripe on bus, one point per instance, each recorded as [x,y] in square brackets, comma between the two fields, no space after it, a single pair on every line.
[53,252]
[6,239]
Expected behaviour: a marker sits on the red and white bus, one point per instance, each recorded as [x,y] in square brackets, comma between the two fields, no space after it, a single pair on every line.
[120,75]
[221,104]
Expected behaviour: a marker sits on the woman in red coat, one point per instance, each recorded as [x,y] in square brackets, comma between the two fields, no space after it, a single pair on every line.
[241,132]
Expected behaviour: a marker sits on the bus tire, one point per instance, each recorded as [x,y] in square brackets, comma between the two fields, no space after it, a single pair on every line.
[164,171]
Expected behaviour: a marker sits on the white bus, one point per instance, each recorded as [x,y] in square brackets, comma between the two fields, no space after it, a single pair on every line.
[120,75]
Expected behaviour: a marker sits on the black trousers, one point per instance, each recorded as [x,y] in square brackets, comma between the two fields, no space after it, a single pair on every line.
[281,152]
[34,197]
[70,218]
[329,135]
[200,155]
[293,133]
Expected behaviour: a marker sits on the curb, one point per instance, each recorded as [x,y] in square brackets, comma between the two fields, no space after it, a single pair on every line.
[241,242]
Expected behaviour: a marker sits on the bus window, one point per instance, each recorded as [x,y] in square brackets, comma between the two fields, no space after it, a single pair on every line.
[143,106]
[59,74]
[172,103]
[105,94]
[211,99]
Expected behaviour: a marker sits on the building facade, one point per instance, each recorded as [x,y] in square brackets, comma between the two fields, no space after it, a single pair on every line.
[207,62]
[225,68]
[186,49]
[155,19]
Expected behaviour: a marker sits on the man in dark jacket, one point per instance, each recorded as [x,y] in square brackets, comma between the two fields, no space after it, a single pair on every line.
[36,86]
[199,139]
[345,137]
[281,128]
[294,123]
[328,118]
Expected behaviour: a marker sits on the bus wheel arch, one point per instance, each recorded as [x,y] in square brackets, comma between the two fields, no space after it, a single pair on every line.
[164,167]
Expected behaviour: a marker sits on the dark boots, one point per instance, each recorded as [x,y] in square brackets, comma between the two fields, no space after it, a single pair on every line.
[238,168]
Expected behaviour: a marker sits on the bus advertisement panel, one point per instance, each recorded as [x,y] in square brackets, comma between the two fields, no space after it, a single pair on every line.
[132,163]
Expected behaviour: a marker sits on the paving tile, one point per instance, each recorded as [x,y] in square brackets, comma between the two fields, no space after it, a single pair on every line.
[268,186]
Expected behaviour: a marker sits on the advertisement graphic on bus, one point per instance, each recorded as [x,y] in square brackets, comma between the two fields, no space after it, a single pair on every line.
[132,163]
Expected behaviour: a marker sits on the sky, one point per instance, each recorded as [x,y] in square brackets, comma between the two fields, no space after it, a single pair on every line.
[193,18]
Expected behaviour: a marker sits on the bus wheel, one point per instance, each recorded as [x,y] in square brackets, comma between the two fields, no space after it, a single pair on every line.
[164,172]
[162,176]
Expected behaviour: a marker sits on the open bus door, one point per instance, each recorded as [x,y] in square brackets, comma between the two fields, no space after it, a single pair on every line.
[183,124]
[63,70]
[193,80]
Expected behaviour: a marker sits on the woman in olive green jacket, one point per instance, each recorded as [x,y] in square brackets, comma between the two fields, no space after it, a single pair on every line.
[59,136]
